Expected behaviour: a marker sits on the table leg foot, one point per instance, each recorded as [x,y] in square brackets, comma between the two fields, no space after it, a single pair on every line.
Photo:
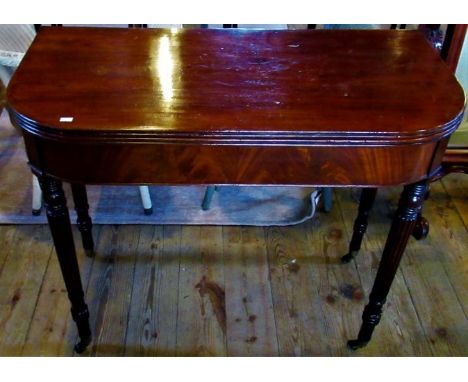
[148,211]
[349,256]
[81,318]
[36,212]
[356,344]
[81,346]
[370,319]
[89,253]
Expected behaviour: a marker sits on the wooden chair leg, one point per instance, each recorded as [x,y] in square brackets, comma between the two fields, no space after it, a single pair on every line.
[36,197]
[146,200]
[360,224]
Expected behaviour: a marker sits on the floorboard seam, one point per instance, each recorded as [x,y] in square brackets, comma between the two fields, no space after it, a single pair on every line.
[454,204]
[178,288]
[131,292]
[36,301]
[265,239]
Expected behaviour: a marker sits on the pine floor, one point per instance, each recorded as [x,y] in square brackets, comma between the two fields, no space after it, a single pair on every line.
[244,291]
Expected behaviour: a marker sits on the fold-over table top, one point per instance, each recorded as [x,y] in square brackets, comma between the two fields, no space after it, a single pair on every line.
[366,87]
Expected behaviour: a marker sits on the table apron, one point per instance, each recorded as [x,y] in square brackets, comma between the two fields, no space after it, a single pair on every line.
[177,164]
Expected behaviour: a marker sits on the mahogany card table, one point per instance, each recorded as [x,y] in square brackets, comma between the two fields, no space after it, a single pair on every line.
[334,108]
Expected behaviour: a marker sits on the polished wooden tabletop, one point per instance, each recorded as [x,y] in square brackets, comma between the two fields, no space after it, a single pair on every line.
[169,106]
[365,86]
[340,108]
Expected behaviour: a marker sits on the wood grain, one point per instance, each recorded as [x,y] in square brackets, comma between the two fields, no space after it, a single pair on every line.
[457,187]
[201,324]
[339,287]
[249,306]
[451,251]
[234,106]
[294,268]
[21,280]
[312,311]
[159,81]
[127,163]
[110,288]
[155,293]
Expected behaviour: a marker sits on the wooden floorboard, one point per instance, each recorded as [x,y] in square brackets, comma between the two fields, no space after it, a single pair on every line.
[251,327]
[20,284]
[456,186]
[244,291]
[152,326]
[295,282]
[201,316]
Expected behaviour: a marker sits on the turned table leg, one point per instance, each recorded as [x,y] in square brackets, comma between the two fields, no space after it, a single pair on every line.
[59,223]
[360,224]
[83,220]
[409,207]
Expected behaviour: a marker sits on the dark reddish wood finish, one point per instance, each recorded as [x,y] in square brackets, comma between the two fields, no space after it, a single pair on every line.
[157,163]
[59,222]
[138,83]
[234,106]
[456,156]
[403,224]
[313,107]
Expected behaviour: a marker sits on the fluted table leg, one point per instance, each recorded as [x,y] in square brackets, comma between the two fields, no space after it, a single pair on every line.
[59,223]
[409,207]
